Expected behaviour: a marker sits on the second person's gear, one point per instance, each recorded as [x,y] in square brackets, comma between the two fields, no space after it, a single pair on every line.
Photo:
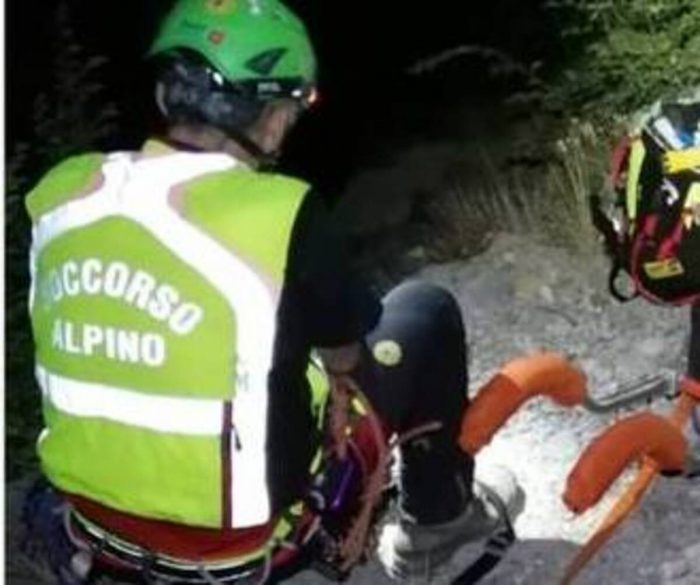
[656,236]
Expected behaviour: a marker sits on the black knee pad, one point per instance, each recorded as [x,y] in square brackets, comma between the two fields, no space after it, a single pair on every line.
[428,303]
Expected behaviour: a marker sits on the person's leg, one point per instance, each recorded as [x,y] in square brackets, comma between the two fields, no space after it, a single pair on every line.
[417,374]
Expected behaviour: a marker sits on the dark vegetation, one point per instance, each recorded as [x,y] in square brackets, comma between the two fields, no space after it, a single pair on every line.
[69,115]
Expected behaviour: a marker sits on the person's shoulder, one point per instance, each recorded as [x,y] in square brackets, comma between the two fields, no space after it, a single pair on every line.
[239,177]
[72,168]
[286,182]
[64,181]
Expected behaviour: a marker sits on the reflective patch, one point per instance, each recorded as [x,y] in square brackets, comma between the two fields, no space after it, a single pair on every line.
[358,407]
[221,6]
[663,269]
[691,211]
[387,352]
[165,414]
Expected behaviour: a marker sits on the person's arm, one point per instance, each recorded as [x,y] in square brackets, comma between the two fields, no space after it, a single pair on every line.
[335,305]
[337,309]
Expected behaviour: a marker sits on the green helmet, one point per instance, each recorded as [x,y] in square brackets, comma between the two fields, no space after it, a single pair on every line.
[254,42]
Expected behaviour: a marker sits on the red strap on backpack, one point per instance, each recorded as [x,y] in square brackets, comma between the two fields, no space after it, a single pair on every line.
[618,161]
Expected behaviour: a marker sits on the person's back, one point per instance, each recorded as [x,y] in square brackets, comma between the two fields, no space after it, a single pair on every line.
[154,311]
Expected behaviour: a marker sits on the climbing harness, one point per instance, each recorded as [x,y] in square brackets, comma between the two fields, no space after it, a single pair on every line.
[347,512]
[117,555]
[337,556]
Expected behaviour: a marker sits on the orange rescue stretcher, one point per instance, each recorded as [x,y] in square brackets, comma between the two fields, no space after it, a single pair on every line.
[656,442]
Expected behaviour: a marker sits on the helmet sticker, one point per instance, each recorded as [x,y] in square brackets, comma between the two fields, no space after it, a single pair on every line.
[221,6]
[216,37]
[265,62]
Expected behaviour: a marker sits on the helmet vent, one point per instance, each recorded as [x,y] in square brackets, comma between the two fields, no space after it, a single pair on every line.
[265,62]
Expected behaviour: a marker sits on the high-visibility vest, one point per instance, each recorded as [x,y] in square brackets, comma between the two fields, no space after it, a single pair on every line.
[155,286]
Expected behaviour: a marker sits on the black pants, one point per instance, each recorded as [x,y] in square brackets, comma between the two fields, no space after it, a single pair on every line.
[694,350]
[417,373]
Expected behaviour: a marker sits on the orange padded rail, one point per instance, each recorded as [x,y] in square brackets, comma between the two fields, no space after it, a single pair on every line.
[602,462]
[544,374]
[691,386]
[630,498]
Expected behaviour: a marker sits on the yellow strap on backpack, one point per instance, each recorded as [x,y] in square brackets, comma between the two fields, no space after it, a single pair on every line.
[676,161]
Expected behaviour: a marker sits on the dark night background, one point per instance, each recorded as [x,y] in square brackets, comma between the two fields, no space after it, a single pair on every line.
[369,102]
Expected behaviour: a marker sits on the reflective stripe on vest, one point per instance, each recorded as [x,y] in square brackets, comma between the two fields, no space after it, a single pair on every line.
[637,154]
[189,416]
[140,192]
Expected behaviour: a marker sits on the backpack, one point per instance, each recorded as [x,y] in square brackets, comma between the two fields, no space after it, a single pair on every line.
[656,176]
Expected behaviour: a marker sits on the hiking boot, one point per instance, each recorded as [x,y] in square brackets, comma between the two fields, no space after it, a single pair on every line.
[439,553]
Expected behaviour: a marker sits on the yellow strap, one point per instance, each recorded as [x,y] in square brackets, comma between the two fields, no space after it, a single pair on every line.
[637,154]
[676,161]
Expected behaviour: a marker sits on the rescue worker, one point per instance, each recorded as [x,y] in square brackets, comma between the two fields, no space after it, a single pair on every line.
[656,234]
[179,294]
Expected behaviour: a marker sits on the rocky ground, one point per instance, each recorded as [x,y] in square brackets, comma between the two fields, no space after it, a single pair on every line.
[519,296]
